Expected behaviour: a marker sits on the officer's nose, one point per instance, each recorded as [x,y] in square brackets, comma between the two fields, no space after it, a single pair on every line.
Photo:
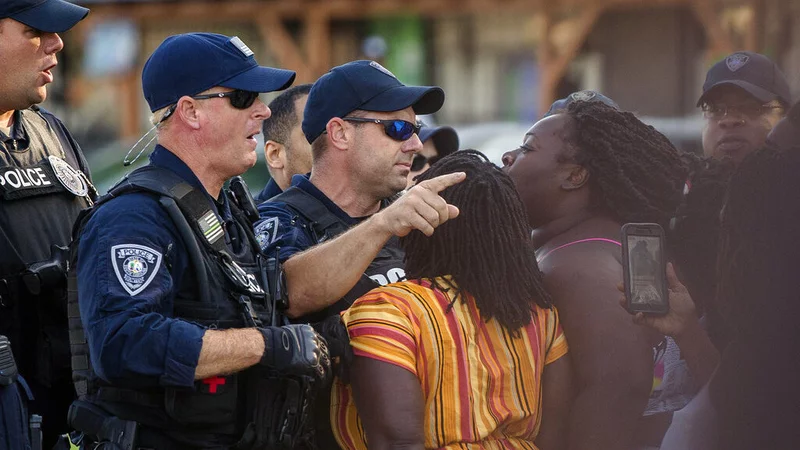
[732,120]
[52,43]
[413,144]
[261,111]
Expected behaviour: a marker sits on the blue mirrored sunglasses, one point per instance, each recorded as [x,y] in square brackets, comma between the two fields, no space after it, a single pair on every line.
[399,130]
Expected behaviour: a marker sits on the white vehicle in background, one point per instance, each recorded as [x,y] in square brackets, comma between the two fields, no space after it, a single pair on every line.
[496,138]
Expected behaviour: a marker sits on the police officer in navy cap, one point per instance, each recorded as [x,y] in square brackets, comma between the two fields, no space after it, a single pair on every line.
[44,184]
[335,231]
[172,299]
[744,96]
[437,142]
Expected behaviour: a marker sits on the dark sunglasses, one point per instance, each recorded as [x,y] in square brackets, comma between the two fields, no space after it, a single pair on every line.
[399,130]
[239,99]
[419,162]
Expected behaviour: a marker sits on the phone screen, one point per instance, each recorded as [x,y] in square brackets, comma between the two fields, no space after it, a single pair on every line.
[644,263]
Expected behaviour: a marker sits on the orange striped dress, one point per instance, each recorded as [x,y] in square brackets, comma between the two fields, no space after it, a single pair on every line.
[481,385]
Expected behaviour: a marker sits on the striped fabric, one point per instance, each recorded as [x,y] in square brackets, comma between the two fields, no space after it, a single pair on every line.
[482,387]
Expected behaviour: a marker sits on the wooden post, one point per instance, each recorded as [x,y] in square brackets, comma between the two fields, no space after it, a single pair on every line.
[318,41]
[283,47]
[553,65]
[129,104]
[719,41]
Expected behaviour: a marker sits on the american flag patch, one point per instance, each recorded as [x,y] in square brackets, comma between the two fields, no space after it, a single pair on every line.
[211,227]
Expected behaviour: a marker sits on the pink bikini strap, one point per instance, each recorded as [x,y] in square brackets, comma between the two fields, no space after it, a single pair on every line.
[610,241]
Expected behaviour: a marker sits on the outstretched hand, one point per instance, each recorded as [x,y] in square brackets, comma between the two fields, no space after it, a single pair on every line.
[682,314]
[421,208]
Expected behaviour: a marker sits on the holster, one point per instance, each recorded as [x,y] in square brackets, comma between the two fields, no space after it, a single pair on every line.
[279,409]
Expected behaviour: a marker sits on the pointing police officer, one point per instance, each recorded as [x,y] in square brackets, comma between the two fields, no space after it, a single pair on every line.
[335,231]
[170,293]
[43,187]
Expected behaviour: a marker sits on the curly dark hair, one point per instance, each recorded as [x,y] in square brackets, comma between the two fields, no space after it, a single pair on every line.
[487,249]
[635,172]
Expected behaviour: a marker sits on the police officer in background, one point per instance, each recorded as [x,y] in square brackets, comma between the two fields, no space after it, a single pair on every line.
[286,149]
[43,185]
[335,231]
[172,300]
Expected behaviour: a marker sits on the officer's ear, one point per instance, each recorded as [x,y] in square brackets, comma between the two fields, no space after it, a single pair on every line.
[340,134]
[188,112]
[275,154]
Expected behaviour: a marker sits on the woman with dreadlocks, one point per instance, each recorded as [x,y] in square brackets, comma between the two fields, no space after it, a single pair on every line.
[468,351]
[581,174]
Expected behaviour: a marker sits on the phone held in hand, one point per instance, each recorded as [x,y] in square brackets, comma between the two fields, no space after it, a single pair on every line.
[645,268]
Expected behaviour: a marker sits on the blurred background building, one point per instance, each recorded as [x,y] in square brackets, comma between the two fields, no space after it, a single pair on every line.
[500,62]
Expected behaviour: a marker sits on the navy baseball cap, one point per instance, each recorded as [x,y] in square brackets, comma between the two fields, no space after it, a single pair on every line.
[579,96]
[753,72]
[50,16]
[444,138]
[188,64]
[364,85]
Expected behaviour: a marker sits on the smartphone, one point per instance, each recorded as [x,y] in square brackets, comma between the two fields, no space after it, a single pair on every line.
[644,264]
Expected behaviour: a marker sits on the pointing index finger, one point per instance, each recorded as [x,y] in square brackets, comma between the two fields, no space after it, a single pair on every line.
[443,182]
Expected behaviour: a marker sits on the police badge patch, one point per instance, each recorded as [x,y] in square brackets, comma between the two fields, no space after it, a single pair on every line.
[267,232]
[70,178]
[582,96]
[736,61]
[381,68]
[135,266]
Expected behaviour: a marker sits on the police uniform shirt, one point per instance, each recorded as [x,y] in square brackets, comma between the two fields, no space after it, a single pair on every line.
[131,265]
[270,190]
[282,228]
[36,211]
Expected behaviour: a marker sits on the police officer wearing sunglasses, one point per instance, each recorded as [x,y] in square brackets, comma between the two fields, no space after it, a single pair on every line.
[336,230]
[175,347]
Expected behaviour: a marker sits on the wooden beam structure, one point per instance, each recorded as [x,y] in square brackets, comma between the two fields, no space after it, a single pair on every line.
[310,54]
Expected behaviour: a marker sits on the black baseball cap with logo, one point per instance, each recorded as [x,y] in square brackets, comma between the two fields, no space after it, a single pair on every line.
[756,74]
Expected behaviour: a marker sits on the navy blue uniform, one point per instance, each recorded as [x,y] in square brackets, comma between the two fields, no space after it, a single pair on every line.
[312,218]
[127,312]
[270,190]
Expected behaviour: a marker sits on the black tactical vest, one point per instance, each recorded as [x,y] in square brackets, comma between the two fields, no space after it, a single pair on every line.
[42,190]
[387,267]
[226,293]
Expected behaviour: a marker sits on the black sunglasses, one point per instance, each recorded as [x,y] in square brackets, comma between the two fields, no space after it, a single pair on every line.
[239,99]
[399,130]
[419,162]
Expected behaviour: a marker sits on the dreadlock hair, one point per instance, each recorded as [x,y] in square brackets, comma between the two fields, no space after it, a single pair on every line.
[754,390]
[636,174]
[487,249]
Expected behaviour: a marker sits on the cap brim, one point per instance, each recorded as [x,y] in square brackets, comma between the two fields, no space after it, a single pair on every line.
[423,99]
[53,16]
[757,92]
[261,79]
[444,138]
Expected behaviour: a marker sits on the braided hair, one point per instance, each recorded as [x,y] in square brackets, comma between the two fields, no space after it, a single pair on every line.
[487,249]
[636,174]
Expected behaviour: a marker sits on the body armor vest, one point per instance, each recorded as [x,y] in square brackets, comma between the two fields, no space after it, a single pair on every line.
[229,295]
[42,191]
[387,267]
